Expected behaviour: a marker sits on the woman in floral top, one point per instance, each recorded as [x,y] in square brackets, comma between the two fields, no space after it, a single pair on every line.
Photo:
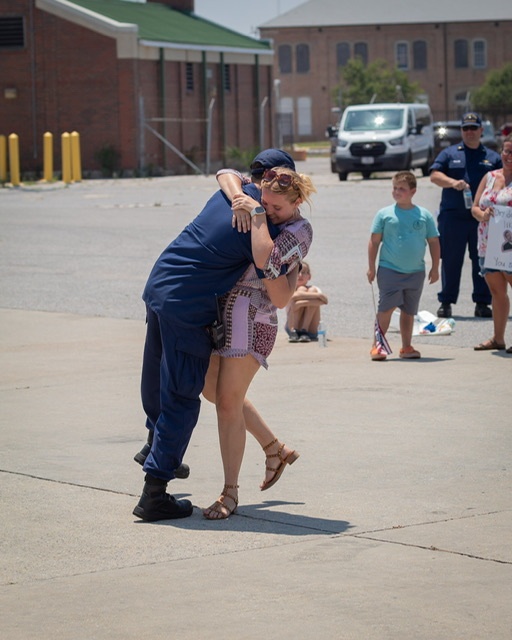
[495,189]
[249,315]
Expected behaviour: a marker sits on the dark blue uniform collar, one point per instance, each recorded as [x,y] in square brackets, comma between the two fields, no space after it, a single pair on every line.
[461,147]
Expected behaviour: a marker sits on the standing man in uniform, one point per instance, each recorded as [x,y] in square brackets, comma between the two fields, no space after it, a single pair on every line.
[458,168]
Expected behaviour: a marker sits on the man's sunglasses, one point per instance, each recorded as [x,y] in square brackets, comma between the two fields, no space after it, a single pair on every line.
[284,180]
[470,128]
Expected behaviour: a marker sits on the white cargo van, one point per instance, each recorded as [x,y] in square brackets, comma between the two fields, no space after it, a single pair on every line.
[383,137]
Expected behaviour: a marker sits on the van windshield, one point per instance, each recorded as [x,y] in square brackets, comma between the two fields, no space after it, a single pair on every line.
[372,119]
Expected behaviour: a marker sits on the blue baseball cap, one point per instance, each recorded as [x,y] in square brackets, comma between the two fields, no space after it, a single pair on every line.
[471,119]
[270,158]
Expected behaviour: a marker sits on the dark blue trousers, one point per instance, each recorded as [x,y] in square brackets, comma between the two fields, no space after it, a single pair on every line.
[174,367]
[457,233]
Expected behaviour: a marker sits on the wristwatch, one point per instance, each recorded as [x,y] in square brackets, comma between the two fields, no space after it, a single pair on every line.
[257,211]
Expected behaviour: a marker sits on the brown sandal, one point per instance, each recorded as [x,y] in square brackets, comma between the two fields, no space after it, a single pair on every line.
[219,510]
[290,459]
[489,345]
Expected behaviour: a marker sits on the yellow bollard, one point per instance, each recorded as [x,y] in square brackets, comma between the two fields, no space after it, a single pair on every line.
[66,158]
[3,159]
[76,163]
[14,159]
[47,157]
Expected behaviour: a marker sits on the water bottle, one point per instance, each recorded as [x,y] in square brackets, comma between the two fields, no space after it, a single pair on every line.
[468,198]
[322,335]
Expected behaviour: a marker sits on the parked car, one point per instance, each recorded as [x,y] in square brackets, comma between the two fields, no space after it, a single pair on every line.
[447,132]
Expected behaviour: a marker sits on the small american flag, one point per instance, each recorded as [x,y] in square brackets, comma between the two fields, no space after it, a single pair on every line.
[380,339]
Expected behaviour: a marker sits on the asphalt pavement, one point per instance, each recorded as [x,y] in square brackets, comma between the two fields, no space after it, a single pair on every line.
[393,524]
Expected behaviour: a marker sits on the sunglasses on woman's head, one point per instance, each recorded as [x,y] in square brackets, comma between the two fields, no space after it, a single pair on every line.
[284,180]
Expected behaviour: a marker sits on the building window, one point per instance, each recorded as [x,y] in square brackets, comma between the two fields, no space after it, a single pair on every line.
[304,120]
[361,52]
[227,77]
[480,54]
[302,58]
[402,55]
[342,54]
[12,33]
[285,58]
[461,54]
[419,54]
[285,120]
[189,76]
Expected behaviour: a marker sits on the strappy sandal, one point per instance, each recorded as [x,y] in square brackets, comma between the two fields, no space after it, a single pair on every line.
[219,510]
[490,345]
[290,459]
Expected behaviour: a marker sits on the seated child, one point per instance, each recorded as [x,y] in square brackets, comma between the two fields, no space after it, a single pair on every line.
[303,310]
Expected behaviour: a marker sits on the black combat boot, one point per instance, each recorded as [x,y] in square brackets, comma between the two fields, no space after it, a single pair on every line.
[155,504]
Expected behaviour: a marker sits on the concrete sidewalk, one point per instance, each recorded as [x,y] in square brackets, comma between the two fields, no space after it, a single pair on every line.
[394,523]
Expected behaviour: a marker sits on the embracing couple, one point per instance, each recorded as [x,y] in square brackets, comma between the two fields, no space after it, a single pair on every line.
[211,302]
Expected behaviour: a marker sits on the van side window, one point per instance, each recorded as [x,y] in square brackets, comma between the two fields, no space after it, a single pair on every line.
[423,117]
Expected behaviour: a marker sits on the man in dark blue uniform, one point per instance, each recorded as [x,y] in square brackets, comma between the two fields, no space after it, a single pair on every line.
[202,263]
[456,169]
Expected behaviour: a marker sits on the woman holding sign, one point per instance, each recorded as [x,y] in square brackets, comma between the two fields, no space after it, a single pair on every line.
[493,198]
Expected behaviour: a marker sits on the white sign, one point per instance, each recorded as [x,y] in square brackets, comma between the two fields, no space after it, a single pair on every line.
[499,241]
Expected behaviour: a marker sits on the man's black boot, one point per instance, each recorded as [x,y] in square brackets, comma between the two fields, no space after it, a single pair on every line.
[445,310]
[155,504]
[182,472]
[483,310]
[141,456]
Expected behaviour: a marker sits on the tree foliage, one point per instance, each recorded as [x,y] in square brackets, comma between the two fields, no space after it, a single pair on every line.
[494,97]
[377,81]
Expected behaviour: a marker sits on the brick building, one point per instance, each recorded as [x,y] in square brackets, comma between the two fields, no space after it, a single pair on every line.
[128,75]
[446,47]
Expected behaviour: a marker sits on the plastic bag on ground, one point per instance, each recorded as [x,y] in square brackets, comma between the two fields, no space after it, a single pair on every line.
[425,324]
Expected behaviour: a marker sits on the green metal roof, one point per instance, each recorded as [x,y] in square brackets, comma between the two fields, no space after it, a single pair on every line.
[160,23]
